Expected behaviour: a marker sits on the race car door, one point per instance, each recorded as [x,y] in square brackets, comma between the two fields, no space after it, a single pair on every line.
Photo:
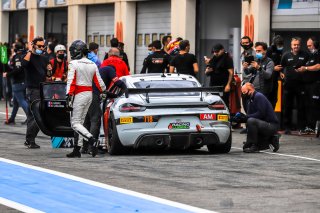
[50,111]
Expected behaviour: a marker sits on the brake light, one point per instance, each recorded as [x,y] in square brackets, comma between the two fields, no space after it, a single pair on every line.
[131,108]
[217,105]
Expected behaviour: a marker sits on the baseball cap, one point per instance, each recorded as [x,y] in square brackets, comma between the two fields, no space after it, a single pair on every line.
[217,47]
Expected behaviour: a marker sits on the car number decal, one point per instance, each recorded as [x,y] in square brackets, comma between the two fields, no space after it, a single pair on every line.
[223,118]
[126,120]
[179,125]
[208,116]
[148,119]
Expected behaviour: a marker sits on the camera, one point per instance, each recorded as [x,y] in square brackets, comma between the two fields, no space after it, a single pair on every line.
[248,59]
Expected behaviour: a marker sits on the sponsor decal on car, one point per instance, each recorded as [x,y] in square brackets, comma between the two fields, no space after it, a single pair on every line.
[55,104]
[126,120]
[179,125]
[223,118]
[208,116]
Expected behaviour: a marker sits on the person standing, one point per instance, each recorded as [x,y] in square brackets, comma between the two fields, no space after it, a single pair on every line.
[93,53]
[35,65]
[115,61]
[17,77]
[220,69]
[157,62]
[293,84]
[184,62]
[59,64]
[275,52]
[122,55]
[82,72]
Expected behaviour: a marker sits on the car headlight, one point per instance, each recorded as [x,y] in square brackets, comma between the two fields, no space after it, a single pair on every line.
[128,107]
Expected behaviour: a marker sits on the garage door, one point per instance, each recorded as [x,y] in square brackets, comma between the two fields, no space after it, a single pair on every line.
[100,26]
[153,22]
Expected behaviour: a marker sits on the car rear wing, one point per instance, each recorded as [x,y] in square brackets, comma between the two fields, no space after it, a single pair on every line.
[217,90]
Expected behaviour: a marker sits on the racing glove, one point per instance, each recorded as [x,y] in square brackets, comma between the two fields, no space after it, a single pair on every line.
[69,103]
[240,118]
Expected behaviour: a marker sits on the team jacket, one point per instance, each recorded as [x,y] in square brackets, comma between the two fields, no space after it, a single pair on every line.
[80,76]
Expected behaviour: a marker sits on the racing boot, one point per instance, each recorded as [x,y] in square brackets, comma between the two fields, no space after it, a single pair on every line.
[85,146]
[94,146]
[75,153]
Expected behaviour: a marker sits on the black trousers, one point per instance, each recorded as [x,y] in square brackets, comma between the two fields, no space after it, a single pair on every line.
[32,127]
[312,100]
[259,132]
[294,92]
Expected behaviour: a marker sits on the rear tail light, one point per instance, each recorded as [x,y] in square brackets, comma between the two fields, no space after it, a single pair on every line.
[217,105]
[131,108]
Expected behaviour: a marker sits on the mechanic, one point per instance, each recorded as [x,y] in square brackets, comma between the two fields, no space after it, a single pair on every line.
[122,55]
[157,62]
[220,70]
[82,72]
[17,76]
[260,70]
[293,84]
[115,60]
[35,65]
[93,117]
[59,64]
[93,54]
[184,62]
[275,53]
[262,122]
[311,78]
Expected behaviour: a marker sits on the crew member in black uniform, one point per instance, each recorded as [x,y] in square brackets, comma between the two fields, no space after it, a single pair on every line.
[157,62]
[311,78]
[275,52]
[293,85]
[220,70]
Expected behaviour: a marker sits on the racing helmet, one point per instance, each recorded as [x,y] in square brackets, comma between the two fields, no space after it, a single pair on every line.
[59,47]
[78,49]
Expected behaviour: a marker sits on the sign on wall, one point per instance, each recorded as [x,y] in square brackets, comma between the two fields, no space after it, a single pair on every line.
[60,2]
[42,3]
[296,7]
[21,4]
[6,4]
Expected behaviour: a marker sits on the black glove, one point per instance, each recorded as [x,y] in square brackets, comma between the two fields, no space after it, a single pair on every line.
[239,117]
[69,102]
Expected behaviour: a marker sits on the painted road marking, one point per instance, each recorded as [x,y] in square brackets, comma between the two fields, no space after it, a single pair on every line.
[285,155]
[24,185]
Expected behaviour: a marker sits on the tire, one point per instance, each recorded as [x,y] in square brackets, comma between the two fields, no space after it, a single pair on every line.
[114,145]
[220,148]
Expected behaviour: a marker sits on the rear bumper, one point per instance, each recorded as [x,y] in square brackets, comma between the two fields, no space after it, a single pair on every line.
[176,140]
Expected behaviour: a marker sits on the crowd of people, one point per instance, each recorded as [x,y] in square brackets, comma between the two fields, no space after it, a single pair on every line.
[262,68]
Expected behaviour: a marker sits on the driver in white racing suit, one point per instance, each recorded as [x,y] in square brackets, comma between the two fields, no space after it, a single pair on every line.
[82,72]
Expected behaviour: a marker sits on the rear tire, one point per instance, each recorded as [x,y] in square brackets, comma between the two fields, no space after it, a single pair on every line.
[114,145]
[220,148]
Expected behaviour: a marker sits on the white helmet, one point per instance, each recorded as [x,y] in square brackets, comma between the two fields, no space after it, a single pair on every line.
[59,47]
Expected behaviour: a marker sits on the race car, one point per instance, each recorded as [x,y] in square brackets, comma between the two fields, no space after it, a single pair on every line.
[158,111]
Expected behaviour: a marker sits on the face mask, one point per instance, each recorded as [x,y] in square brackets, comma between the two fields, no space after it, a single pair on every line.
[259,55]
[245,96]
[150,52]
[279,48]
[246,47]
[61,56]
[38,52]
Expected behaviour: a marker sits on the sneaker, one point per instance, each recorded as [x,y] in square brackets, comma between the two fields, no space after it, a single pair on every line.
[33,146]
[287,132]
[252,149]
[303,131]
[75,153]
[275,145]
[26,143]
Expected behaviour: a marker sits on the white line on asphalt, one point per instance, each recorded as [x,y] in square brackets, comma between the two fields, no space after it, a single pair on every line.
[3,113]
[109,187]
[18,206]
[285,155]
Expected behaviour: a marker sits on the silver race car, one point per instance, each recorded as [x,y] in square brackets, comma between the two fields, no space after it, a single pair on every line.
[158,111]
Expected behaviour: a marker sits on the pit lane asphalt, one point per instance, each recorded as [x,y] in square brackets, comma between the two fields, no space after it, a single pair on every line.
[234,182]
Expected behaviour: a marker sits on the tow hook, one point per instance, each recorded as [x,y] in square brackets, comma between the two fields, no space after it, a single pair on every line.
[198,128]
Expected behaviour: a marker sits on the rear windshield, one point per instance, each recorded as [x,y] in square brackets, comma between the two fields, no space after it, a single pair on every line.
[54,91]
[168,84]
